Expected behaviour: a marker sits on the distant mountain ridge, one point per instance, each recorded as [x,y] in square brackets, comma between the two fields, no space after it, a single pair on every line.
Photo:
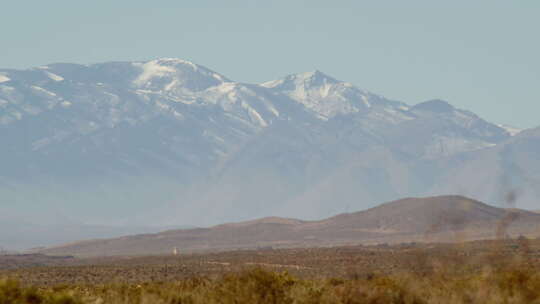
[169,141]
[433,219]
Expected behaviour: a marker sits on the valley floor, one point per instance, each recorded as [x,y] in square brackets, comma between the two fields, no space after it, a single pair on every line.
[475,272]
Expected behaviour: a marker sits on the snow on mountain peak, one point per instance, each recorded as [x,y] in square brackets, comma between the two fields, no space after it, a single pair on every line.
[170,74]
[510,130]
[152,69]
[4,78]
[307,79]
[327,96]
[315,78]
[54,77]
[176,61]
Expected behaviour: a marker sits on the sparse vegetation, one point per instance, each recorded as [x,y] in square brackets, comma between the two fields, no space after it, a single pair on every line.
[264,286]
[12,293]
[478,272]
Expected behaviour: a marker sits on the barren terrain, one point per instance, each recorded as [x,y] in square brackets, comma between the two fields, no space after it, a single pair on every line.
[434,219]
[342,262]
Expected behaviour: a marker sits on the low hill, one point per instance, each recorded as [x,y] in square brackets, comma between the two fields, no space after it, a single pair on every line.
[433,219]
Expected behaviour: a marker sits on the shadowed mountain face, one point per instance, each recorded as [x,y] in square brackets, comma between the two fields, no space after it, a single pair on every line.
[507,174]
[434,219]
[170,142]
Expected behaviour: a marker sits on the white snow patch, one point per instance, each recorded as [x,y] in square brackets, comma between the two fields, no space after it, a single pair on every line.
[322,94]
[114,100]
[171,85]
[218,77]
[324,90]
[303,77]
[163,106]
[272,83]
[66,104]
[152,69]
[177,61]
[178,115]
[366,101]
[273,110]
[256,117]
[143,92]
[209,134]
[240,120]
[395,116]
[511,130]
[54,76]
[4,78]
[226,87]
[40,89]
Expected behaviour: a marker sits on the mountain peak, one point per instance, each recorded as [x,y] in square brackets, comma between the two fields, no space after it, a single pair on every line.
[510,129]
[434,105]
[307,79]
[315,75]
[175,62]
[170,73]
[328,96]
[4,78]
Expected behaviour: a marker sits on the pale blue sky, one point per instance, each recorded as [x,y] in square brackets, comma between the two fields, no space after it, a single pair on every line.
[480,55]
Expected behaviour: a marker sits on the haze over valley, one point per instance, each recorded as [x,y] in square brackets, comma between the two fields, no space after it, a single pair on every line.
[170,143]
[449,219]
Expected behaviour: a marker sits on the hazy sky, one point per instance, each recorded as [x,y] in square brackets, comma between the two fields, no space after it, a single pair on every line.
[481,55]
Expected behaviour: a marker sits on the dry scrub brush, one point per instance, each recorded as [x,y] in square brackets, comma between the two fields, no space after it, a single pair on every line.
[492,285]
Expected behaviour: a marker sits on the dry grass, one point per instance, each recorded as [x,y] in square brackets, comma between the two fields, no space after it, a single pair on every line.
[263,286]
[478,272]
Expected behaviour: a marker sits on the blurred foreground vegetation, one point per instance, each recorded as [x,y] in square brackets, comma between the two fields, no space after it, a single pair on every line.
[504,271]
[257,285]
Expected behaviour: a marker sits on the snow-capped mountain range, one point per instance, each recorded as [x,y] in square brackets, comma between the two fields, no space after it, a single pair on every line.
[171,141]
